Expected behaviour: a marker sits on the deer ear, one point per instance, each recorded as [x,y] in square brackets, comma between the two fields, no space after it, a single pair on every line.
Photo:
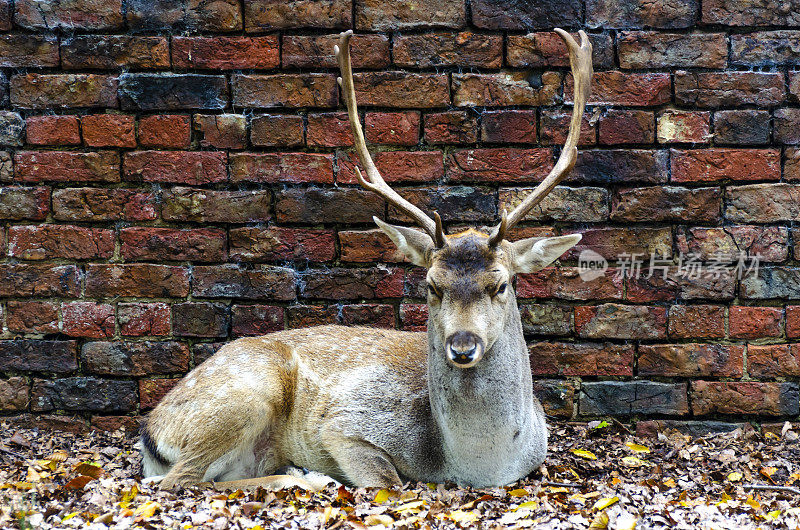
[531,255]
[416,245]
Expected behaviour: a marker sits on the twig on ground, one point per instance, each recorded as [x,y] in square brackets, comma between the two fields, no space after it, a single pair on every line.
[12,453]
[622,425]
[562,484]
[772,487]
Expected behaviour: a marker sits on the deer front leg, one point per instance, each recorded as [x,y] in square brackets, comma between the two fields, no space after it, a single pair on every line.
[362,463]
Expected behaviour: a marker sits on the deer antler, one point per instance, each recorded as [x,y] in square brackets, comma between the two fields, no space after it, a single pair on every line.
[376,183]
[580,58]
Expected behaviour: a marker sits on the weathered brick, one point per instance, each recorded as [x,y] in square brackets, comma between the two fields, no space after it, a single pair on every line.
[114,52]
[226,53]
[620,88]
[454,203]
[368,246]
[108,130]
[746,13]
[352,284]
[279,244]
[316,51]
[52,130]
[139,319]
[402,90]
[12,128]
[172,91]
[464,49]
[762,203]
[24,203]
[231,281]
[285,90]
[499,165]
[455,127]
[729,89]
[260,15]
[151,391]
[613,242]
[281,167]
[24,280]
[583,204]
[173,244]
[373,315]
[66,166]
[394,128]
[691,360]
[766,48]
[39,355]
[710,165]
[554,127]
[250,320]
[414,317]
[509,126]
[794,86]
[679,126]
[276,130]
[69,14]
[575,359]
[6,15]
[59,241]
[204,350]
[6,167]
[744,397]
[210,206]
[772,282]
[83,394]
[510,14]
[787,126]
[615,321]
[696,322]
[223,131]
[88,319]
[747,322]
[505,89]
[546,319]
[184,15]
[566,284]
[396,166]
[323,205]
[666,203]
[181,167]
[627,14]
[652,49]
[624,398]
[25,316]
[774,360]
[769,242]
[331,129]
[557,397]
[306,316]
[26,51]
[547,49]
[792,321]
[200,319]
[791,167]
[136,280]
[389,15]
[168,130]
[748,127]
[51,91]
[100,204]
[627,127]
[14,394]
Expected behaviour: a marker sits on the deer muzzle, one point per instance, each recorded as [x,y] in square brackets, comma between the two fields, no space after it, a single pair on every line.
[464,349]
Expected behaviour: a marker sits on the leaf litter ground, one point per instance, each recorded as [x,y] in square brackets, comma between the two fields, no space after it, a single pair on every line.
[596,476]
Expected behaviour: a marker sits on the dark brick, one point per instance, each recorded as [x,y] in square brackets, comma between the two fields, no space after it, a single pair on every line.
[667,203]
[691,360]
[231,281]
[402,90]
[748,127]
[569,359]
[181,167]
[792,321]
[51,91]
[6,166]
[59,241]
[774,360]
[12,128]
[464,49]
[184,15]
[26,51]
[23,280]
[316,51]
[651,49]
[39,355]
[202,351]
[278,244]
[506,89]
[766,48]
[223,131]
[624,398]
[136,280]
[629,89]
[144,319]
[32,316]
[204,206]
[306,316]
[276,130]
[547,49]
[545,319]
[627,127]
[100,204]
[583,205]
[285,90]
[88,319]
[764,399]
[729,89]
[200,319]
[509,126]
[24,203]
[226,53]
[352,284]
[454,203]
[627,14]
[68,14]
[83,394]
[747,13]
[167,130]
[787,128]
[321,205]
[172,91]
[373,315]
[256,319]
[173,244]
[772,282]
[554,126]
[14,394]
[679,126]
[762,203]
[769,242]
[388,15]
[395,128]
[64,166]
[114,52]
[557,397]
[414,317]
[455,127]
[696,322]
[263,15]
[510,14]
[613,242]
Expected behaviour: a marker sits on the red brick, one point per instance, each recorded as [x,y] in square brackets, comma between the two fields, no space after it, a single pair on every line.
[281,167]
[402,90]
[652,49]
[368,246]
[696,322]
[509,126]
[619,88]
[389,15]
[306,316]
[171,131]
[627,127]
[710,165]
[751,398]
[392,128]
[329,130]
[774,360]
[455,127]
[210,206]
[223,131]
[180,167]
[286,90]
[570,359]
[414,317]
[69,14]
[546,49]
[114,52]
[565,283]
[506,89]
[554,128]
[276,130]
[52,130]
[88,319]
[679,126]
[396,166]
[279,244]
[500,165]
[28,51]
[25,280]
[32,316]
[173,244]
[770,242]
[793,321]
[151,391]
[103,204]
[715,89]
[762,203]
[59,241]
[249,320]
[616,321]
[755,322]
[260,15]
[226,53]
[138,320]
[64,166]
[231,281]
[109,130]
[464,49]
[51,91]
[687,360]
[316,51]
[136,280]
[373,315]
[353,284]
[667,203]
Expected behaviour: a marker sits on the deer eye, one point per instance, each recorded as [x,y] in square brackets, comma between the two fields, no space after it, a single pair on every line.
[501,289]
[432,289]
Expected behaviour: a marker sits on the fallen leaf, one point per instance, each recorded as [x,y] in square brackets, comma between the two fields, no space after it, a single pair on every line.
[78,482]
[636,448]
[520,492]
[588,455]
[735,476]
[605,502]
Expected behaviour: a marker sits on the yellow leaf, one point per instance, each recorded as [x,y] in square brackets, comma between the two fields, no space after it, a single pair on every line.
[774,514]
[378,518]
[753,503]
[600,522]
[636,448]
[460,516]
[520,492]
[530,505]
[70,516]
[382,496]
[735,476]
[58,456]
[129,495]
[632,461]
[147,509]
[413,506]
[583,453]
[768,471]
[605,502]
[670,483]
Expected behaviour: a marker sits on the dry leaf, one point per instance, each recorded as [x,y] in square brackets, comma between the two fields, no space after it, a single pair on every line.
[588,455]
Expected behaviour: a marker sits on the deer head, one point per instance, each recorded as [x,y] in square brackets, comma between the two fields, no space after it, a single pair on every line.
[470,273]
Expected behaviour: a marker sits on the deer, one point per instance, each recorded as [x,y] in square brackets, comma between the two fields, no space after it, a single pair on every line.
[378,407]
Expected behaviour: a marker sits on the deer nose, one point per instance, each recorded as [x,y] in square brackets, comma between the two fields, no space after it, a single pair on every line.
[464,349]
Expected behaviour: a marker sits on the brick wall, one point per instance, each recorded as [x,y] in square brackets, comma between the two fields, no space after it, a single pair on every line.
[177,174]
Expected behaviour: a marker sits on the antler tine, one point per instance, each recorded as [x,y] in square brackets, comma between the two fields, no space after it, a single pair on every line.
[376,183]
[580,58]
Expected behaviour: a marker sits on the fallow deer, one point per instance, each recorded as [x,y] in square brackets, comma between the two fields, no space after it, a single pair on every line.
[374,407]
